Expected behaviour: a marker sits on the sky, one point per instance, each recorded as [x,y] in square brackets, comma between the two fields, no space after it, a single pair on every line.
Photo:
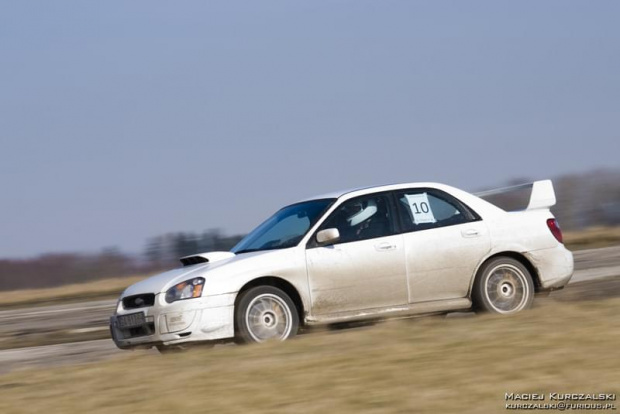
[122,120]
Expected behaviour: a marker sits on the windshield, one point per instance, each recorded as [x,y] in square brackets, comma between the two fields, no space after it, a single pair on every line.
[284,229]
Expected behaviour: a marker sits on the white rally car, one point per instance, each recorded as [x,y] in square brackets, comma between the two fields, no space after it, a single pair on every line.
[370,253]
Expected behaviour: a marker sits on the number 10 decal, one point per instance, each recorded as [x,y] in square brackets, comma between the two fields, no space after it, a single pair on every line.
[420,208]
[423,206]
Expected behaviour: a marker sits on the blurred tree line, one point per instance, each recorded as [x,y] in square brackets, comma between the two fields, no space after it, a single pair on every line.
[165,251]
[587,200]
[161,252]
[583,200]
[63,268]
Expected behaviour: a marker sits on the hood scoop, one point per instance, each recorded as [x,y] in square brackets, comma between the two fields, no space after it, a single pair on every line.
[208,257]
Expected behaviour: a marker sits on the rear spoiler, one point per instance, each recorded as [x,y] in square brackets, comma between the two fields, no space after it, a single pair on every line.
[542,194]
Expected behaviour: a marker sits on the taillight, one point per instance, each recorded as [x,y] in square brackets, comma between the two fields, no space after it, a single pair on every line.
[555,229]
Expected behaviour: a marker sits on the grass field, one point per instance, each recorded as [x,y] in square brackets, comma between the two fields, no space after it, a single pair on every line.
[426,365]
[592,238]
[79,292]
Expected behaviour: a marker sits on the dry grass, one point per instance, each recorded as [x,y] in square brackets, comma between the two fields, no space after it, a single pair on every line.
[423,365]
[592,238]
[100,289]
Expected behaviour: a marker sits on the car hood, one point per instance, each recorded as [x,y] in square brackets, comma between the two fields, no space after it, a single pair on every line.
[164,281]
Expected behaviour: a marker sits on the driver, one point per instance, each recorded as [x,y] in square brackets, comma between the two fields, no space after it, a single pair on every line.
[358,217]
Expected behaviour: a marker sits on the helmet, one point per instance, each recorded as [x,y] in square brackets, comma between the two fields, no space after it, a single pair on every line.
[360,211]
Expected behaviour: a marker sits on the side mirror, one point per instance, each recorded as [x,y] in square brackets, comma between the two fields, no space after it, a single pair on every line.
[327,236]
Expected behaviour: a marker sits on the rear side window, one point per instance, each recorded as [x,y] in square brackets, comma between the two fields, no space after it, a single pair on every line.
[422,209]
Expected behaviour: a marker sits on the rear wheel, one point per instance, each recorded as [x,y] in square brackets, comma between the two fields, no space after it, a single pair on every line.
[503,286]
[265,313]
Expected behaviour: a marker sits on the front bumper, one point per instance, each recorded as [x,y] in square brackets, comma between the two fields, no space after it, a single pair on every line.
[208,318]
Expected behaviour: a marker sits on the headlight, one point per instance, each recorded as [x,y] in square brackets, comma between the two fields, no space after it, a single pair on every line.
[187,290]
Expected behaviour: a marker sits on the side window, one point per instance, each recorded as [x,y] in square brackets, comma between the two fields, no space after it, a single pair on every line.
[362,218]
[426,209]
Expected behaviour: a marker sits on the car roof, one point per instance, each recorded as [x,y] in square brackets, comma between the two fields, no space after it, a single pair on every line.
[373,189]
[479,205]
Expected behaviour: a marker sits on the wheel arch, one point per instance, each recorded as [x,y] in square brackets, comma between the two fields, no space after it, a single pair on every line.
[520,257]
[277,282]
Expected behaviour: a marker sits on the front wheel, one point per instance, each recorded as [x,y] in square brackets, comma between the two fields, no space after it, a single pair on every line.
[265,313]
[503,286]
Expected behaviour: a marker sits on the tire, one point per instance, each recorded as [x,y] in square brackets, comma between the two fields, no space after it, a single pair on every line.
[503,286]
[265,313]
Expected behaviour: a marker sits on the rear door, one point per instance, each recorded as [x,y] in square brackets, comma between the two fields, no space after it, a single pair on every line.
[366,268]
[444,243]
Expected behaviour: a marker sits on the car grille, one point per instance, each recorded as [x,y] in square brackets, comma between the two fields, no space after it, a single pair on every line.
[139,301]
[144,330]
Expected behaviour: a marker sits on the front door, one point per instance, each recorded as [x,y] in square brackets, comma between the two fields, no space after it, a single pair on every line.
[365,269]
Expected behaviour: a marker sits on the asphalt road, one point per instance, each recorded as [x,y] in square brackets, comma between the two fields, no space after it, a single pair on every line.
[597,275]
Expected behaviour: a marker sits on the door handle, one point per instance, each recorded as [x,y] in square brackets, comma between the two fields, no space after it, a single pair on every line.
[470,233]
[385,246]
